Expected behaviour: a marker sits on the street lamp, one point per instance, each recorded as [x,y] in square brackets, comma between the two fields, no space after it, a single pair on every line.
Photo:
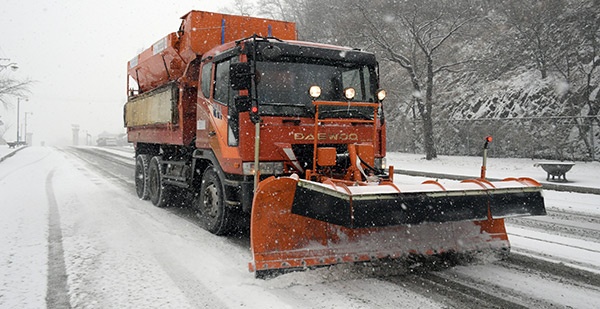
[25,130]
[13,66]
[18,116]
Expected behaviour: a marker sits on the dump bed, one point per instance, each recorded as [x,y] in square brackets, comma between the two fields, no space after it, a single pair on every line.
[200,32]
[161,108]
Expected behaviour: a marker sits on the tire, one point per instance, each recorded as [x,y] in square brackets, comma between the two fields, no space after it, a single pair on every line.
[209,204]
[159,194]
[141,176]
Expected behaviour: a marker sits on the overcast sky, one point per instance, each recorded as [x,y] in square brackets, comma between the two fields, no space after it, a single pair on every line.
[76,51]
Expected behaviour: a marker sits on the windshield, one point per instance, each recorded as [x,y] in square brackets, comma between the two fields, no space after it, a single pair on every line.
[282,88]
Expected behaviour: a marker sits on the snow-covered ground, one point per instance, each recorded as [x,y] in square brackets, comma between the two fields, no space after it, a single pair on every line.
[119,251]
[583,174]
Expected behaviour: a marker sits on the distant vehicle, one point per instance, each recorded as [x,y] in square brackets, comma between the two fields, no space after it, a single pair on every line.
[292,136]
[107,141]
[16,144]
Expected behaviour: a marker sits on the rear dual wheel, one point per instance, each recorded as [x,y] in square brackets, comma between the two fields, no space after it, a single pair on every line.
[141,176]
[158,192]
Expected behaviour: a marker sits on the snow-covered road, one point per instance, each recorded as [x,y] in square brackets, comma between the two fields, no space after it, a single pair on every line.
[73,233]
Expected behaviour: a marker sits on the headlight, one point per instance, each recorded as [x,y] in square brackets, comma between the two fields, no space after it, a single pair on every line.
[381,94]
[314,92]
[266,168]
[349,93]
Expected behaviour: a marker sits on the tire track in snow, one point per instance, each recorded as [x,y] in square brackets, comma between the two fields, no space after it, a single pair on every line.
[454,293]
[513,234]
[563,223]
[20,167]
[57,295]
[85,155]
[109,156]
[180,271]
[557,269]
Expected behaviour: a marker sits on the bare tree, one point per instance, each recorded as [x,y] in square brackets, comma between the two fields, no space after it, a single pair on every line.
[418,38]
[240,7]
[275,9]
[560,39]
[536,25]
[12,88]
[298,11]
[588,54]
[578,62]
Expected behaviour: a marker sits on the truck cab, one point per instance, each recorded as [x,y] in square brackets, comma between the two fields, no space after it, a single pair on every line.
[266,82]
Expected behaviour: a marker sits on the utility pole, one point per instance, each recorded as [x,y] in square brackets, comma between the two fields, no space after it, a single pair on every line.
[18,128]
[27,141]
[75,128]
[18,118]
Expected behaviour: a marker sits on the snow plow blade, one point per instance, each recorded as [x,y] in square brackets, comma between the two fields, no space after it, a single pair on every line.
[385,205]
[299,223]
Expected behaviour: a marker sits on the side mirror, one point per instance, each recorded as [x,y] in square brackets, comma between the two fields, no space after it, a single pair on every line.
[239,75]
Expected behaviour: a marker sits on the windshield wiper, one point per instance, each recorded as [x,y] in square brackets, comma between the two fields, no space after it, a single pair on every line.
[305,108]
[352,112]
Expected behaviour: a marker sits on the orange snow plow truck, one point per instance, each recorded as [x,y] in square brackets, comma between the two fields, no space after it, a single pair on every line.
[251,125]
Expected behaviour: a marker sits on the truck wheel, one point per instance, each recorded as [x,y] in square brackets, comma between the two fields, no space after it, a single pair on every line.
[210,206]
[141,176]
[158,193]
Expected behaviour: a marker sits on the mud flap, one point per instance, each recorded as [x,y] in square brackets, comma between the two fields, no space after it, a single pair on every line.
[281,239]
